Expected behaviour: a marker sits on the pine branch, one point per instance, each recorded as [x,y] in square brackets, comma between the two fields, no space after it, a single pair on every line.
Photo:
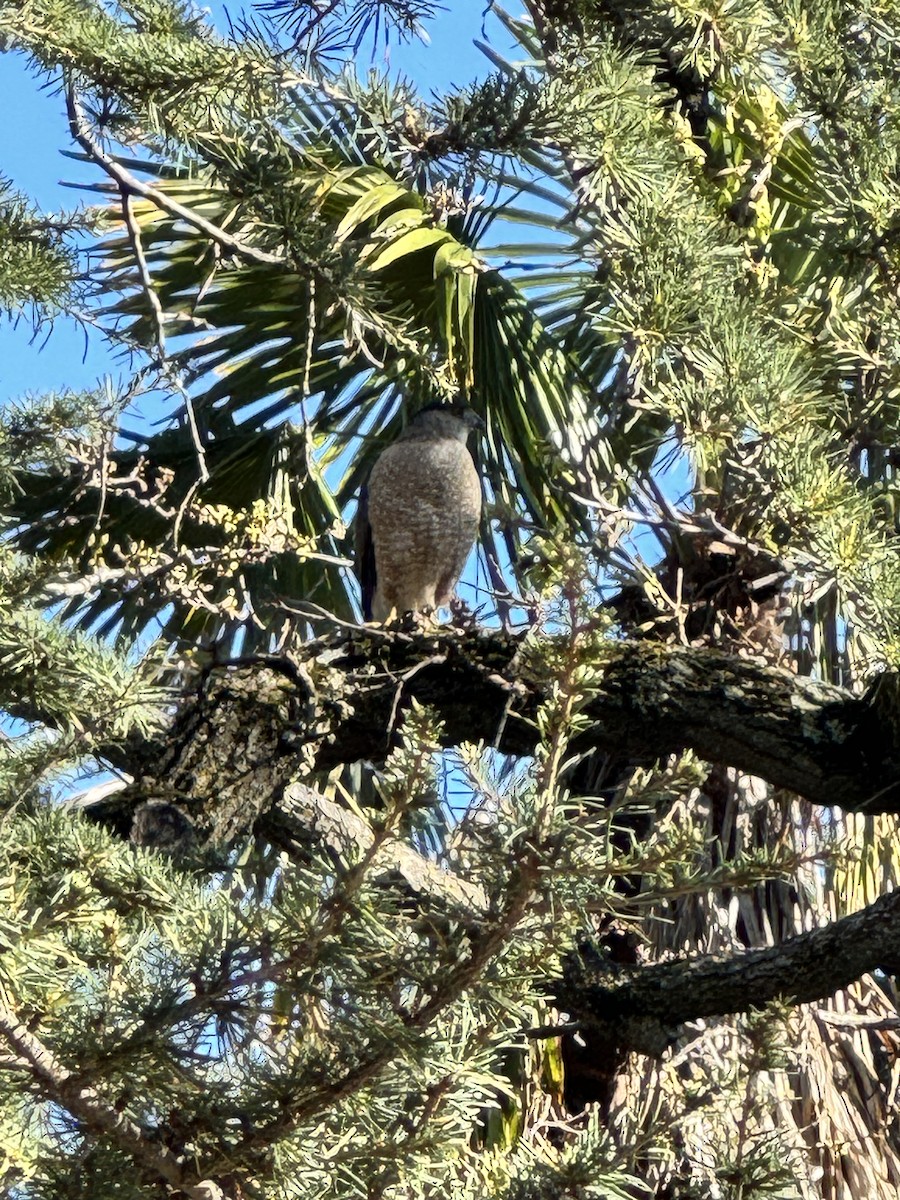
[86,1105]
[130,184]
[69,681]
[526,861]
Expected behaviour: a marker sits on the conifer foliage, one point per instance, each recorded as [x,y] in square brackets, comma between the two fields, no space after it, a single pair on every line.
[512,908]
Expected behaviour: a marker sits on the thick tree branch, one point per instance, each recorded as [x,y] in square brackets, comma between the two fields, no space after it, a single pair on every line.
[817,740]
[820,741]
[303,821]
[642,1007]
[305,816]
[256,725]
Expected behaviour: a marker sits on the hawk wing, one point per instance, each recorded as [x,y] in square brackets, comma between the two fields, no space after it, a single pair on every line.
[365,553]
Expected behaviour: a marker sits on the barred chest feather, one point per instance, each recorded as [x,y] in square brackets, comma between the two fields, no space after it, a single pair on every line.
[424,508]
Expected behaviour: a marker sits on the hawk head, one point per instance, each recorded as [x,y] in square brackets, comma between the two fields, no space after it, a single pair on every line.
[455,420]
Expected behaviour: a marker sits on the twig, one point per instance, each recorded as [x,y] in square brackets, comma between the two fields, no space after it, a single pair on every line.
[313,23]
[137,247]
[183,507]
[501,594]
[194,428]
[851,1021]
[131,183]
[310,343]
[315,612]
[434,661]
[540,1032]
[104,484]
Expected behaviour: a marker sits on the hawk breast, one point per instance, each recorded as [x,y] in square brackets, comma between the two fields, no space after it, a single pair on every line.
[424,504]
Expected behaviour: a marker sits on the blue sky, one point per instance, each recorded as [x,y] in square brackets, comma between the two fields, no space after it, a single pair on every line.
[33,134]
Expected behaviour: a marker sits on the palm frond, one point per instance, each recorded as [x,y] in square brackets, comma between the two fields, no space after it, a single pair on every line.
[400,310]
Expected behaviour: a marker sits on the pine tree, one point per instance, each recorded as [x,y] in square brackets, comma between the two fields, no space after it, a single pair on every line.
[590,893]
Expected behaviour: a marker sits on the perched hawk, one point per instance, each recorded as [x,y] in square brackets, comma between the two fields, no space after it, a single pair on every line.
[418,517]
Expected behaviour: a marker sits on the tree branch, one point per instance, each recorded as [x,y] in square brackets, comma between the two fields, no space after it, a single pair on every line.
[253,727]
[808,737]
[256,725]
[305,819]
[641,1007]
[86,1105]
[129,183]
[304,815]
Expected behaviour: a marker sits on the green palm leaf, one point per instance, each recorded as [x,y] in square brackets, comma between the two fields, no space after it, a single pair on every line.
[403,307]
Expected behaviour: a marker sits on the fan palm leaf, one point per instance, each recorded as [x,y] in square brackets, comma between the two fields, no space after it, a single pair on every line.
[398,305]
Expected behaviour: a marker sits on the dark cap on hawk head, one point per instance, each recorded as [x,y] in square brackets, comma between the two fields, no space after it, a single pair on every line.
[418,516]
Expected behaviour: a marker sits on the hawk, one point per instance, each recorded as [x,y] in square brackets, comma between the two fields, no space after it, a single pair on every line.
[418,517]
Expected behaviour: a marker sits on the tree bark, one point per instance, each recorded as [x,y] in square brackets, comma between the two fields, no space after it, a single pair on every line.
[255,725]
[642,1007]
